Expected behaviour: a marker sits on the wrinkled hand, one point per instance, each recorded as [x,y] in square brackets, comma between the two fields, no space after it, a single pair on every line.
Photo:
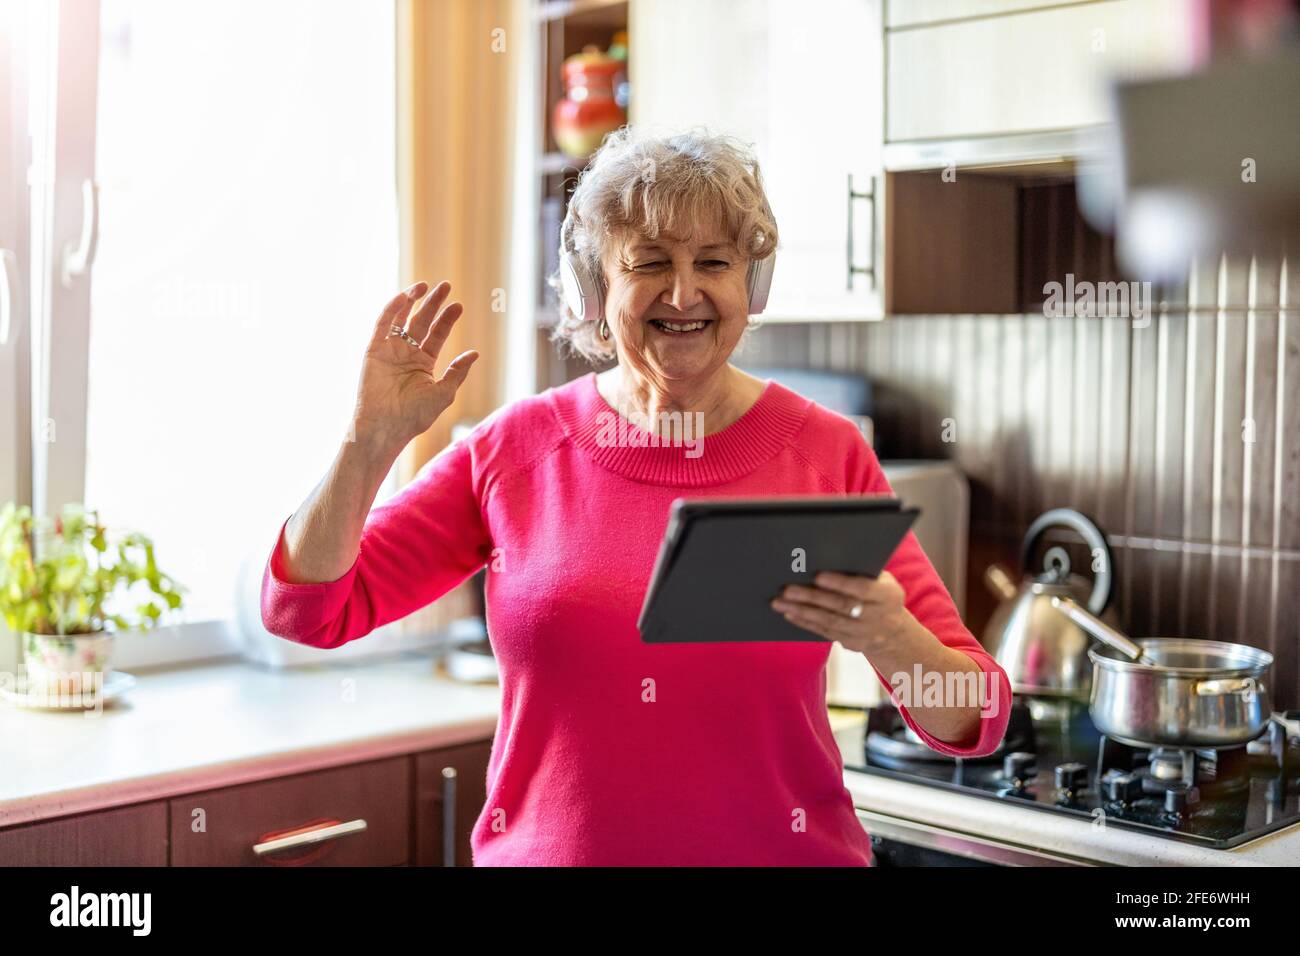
[398,396]
[826,607]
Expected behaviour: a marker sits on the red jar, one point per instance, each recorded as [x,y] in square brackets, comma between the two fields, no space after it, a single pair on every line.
[588,110]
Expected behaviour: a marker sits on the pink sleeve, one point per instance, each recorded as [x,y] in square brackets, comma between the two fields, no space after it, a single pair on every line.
[931,604]
[415,547]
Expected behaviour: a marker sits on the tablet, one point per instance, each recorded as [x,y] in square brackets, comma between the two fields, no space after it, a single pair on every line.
[723,560]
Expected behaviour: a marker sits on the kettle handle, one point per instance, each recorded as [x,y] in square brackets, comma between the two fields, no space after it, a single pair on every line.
[1096,540]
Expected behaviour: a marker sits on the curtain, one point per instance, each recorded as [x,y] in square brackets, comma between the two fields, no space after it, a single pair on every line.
[458,65]
[457,69]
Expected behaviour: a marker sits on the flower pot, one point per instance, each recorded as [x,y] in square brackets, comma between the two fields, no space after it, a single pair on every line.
[67,664]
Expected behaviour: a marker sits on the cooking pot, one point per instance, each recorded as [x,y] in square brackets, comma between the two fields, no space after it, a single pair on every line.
[1194,693]
[1044,653]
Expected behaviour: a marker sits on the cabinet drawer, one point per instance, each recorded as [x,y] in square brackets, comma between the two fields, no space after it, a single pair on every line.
[222,827]
[431,814]
[1027,72]
[130,836]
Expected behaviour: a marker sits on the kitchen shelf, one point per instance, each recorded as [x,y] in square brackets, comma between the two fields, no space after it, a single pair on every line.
[589,12]
[554,163]
[989,241]
[565,27]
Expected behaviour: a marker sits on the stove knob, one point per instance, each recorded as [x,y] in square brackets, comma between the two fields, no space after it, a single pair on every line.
[1018,765]
[1179,798]
[1072,777]
[1123,787]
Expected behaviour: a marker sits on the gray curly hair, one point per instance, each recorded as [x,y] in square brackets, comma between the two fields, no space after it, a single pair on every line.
[648,183]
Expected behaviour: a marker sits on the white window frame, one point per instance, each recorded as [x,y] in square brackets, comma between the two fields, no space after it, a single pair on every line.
[49,180]
[15,260]
[63,196]
[16,270]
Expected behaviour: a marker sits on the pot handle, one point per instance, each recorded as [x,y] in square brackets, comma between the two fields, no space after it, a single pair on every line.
[1245,686]
[1101,630]
[1096,540]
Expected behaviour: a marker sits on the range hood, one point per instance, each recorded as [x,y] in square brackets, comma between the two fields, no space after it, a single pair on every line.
[1202,164]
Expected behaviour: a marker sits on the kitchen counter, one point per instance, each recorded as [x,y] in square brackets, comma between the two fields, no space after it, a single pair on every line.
[215,725]
[992,829]
[221,724]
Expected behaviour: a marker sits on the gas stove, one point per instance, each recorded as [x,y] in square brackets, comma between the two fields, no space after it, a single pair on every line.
[1054,759]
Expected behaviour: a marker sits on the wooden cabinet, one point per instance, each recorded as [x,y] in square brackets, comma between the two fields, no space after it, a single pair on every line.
[127,836]
[390,812]
[450,788]
[357,815]
[1024,71]
[803,82]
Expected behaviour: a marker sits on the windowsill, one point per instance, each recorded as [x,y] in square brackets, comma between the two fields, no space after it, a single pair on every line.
[223,723]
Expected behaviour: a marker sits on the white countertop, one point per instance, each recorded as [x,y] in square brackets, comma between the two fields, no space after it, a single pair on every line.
[220,724]
[1049,833]
[223,724]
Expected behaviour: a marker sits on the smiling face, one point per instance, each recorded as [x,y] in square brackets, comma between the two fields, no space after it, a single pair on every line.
[676,305]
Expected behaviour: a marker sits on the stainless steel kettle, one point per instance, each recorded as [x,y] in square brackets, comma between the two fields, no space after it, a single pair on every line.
[1044,652]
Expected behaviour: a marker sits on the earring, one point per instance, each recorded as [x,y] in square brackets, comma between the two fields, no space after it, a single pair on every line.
[603,329]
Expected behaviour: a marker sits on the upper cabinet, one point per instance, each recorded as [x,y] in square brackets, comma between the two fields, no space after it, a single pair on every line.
[862,113]
[989,67]
[802,82]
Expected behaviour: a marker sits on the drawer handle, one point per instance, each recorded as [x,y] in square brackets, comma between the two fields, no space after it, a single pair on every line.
[448,816]
[308,836]
[868,270]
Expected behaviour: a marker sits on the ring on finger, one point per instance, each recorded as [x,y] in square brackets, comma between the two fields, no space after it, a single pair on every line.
[855,611]
[399,332]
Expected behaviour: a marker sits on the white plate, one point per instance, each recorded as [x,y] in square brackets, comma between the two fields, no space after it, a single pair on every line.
[115,684]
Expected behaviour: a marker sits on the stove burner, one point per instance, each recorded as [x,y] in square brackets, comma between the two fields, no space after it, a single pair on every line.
[1223,770]
[1054,759]
[1168,765]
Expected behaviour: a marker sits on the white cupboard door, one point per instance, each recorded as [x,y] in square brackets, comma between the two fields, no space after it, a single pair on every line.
[1028,71]
[825,125]
[699,63]
[803,83]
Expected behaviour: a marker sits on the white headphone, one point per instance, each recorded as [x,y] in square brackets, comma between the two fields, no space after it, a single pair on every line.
[584,293]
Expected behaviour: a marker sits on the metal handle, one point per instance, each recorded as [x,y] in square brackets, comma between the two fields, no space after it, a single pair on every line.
[308,837]
[77,259]
[1226,685]
[1101,630]
[1290,725]
[448,816]
[869,270]
[1086,529]
[6,295]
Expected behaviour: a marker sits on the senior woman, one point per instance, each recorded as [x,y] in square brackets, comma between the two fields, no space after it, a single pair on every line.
[611,751]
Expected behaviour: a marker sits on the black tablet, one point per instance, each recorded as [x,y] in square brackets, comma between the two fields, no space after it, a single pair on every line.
[723,560]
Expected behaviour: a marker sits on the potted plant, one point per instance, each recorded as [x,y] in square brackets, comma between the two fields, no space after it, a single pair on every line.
[56,586]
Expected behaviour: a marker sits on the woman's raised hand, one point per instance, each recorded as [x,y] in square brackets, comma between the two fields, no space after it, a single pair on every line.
[398,396]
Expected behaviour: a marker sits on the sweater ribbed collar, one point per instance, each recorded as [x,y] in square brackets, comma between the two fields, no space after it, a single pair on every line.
[629,450]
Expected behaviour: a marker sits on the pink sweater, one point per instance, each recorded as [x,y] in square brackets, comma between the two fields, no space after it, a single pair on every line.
[610,751]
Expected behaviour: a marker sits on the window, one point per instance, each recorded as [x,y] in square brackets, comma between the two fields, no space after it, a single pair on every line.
[243,165]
